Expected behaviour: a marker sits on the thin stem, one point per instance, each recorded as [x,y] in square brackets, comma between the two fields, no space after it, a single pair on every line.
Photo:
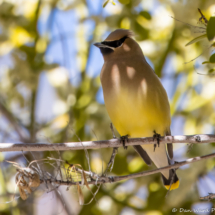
[32,125]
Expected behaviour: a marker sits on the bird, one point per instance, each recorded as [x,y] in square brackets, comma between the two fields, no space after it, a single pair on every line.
[136,100]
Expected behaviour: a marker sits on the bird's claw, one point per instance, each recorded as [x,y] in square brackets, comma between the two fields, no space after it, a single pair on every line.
[123,139]
[156,136]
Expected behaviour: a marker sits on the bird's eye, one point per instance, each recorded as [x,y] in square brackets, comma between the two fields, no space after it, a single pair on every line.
[116,43]
[119,43]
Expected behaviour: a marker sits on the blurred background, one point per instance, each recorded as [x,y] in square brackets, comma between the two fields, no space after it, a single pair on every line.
[50,92]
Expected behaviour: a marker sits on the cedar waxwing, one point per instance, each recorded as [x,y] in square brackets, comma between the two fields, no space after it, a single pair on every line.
[135,99]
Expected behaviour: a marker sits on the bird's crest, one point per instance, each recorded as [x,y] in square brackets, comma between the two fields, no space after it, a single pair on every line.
[118,34]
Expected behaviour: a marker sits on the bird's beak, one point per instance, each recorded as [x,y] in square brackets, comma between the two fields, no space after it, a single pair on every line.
[100,45]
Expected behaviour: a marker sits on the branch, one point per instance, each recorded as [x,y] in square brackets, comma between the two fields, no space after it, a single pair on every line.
[112,179]
[113,143]
[77,176]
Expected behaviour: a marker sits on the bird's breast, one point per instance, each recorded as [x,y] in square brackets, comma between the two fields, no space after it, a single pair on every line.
[133,104]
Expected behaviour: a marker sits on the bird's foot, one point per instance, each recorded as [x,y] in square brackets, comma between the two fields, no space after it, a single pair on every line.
[176,162]
[156,136]
[123,139]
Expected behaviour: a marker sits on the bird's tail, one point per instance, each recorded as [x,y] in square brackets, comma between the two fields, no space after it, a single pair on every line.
[171,181]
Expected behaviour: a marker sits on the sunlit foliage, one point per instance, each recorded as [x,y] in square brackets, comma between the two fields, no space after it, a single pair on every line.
[50,91]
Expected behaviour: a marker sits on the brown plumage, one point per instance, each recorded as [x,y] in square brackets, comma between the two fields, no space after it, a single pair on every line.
[135,99]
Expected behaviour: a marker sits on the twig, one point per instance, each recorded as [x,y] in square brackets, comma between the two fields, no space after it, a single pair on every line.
[112,130]
[192,26]
[195,139]
[208,197]
[202,17]
[85,149]
[32,114]
[115,149]
[111,161]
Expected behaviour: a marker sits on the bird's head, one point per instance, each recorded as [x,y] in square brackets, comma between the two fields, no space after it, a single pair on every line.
[119,43]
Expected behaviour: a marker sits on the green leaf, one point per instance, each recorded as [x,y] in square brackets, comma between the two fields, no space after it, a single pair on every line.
[211,28]
[211,70]
[205,62]
[124,1]
[197,39]
[140,31]
[212,58]
[145,14]
[104,5]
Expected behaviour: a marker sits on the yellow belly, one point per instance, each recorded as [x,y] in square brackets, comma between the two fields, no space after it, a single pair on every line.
[136,115]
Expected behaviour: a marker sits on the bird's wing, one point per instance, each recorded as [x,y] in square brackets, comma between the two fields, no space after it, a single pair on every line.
[169,146]
[143,154]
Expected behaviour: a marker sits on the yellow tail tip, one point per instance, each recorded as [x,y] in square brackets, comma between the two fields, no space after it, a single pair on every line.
[173,186]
